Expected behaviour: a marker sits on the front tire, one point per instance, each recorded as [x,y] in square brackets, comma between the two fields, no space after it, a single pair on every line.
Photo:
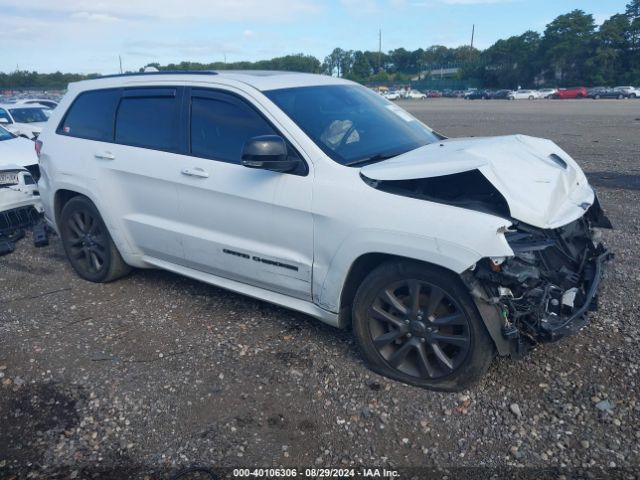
[418,324]
[87,242]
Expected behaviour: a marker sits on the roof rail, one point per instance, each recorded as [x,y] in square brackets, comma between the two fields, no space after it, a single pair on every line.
[162,72]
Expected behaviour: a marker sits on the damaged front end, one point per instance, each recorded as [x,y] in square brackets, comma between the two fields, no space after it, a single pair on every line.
[543,292]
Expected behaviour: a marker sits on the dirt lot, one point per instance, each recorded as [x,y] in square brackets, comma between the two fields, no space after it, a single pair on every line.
[157,372]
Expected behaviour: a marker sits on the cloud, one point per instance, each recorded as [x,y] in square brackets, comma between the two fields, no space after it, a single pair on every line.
[474,2]
[248,34]
[219,10]
[95,17]
[361,7]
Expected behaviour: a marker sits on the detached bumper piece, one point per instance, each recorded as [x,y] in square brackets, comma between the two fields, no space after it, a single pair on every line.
[13,224]
[546,290]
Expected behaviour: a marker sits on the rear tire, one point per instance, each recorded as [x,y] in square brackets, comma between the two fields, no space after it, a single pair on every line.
[88,244]
[418,324]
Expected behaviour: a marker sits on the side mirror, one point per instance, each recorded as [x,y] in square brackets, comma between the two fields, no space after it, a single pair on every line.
[268,152]
[4,120]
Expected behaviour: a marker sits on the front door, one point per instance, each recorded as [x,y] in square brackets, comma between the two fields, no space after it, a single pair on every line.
[249,225]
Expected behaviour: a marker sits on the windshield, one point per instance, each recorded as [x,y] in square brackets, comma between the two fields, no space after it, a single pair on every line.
[5,135]
[352,124]
[29,115]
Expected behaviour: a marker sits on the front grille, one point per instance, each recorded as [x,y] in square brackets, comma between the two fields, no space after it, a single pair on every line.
[11,220]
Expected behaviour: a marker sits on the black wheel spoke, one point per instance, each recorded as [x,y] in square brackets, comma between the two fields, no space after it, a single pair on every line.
[455,318]
[387,338]
[400,354]
[436,295]
[423,362]
[95,260]
[79,254]
[94,228]
[379,314]
[79,222]
[442,357]
[74,228]
[450,339]
[414,296]
[392,300]
[76,242]
[100,241]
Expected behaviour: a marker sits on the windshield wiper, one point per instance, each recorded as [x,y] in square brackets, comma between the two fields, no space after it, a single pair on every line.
[372,159]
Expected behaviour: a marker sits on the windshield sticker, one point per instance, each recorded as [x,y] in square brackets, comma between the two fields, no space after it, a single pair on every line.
[401,113]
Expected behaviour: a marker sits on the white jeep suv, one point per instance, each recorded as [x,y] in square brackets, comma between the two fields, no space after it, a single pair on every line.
[317,194]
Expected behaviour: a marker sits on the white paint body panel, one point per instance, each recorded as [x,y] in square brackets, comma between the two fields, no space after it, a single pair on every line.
[18,151]
[320,223]
[21,194]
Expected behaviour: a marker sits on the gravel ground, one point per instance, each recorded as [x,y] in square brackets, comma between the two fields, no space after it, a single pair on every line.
[156,372]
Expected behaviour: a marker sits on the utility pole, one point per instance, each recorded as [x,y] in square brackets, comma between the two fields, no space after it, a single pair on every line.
[120,60]
[473,32]
[379,49]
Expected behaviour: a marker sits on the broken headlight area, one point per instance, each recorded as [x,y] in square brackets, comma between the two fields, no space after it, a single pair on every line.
[546,289]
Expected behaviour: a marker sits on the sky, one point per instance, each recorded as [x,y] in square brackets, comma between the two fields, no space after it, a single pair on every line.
[86,36]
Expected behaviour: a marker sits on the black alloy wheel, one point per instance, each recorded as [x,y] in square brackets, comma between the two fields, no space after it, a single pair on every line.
[419,329]
[87,242]
[418,324]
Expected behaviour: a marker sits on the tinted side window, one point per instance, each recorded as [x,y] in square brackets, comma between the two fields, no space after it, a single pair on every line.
[149,120]
[91,115]
[220,127]
[4,114]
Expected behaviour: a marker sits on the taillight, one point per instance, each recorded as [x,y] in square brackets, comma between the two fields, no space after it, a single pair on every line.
[38,146]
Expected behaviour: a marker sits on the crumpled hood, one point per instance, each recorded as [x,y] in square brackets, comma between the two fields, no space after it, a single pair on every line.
[539,190]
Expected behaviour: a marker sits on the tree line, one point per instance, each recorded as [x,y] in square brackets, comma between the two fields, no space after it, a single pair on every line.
[572,50]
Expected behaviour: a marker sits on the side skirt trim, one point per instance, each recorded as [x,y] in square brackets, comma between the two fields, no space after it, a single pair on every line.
[255,292]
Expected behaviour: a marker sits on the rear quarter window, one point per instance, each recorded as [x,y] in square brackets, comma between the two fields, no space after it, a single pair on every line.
[91,115]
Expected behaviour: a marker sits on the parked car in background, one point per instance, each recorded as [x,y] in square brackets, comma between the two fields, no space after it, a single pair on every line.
[502,95]
[478,95]
[415,94]
[606,92]
[20,203]
[314,193]
[573,92]
[45,102]
[392,95]
[24,120]
[631,92]
[547,92]
[434,94]
[20,151]
[525,95]
[454,93]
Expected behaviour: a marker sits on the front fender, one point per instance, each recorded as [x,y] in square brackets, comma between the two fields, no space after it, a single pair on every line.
[444,253]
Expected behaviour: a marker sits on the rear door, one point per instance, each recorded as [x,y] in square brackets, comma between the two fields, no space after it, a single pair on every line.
[249,225]
[136,172]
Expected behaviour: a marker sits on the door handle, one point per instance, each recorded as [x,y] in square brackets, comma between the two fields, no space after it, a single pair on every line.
[105,156]
[195,172]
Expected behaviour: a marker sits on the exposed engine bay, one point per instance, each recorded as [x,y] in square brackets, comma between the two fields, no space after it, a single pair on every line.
[546,289]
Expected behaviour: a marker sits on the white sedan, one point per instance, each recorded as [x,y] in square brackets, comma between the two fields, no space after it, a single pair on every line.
[415,94]
[547,92]
[24,120]
[525,95]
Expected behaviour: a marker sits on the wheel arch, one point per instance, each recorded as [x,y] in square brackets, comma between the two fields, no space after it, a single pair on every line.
[361,268]
[366,263]
[60,199]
